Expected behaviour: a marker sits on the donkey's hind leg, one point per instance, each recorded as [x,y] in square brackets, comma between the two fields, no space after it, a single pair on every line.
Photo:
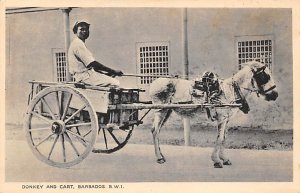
[218,155]
[223,157]
[160,118]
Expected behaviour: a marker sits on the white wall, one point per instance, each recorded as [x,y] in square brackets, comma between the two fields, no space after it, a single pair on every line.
[113,37]
[29,57]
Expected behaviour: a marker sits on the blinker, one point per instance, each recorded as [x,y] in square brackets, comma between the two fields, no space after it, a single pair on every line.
[261,77]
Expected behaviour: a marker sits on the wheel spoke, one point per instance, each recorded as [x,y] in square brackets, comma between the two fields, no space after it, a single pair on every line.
[66,107]
[47,105]
[77,130]
[88,132]
[40,129]
[105,140]
[75,113]
[78,125]
[72,144]
[63,146]
[58,105]
[79,136]
[41,117]
[114,137]
[82,142]
[43,140]
[53,145]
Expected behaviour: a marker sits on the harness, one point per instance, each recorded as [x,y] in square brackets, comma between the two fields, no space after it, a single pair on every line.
[210,86]
[240,98]
[261,78]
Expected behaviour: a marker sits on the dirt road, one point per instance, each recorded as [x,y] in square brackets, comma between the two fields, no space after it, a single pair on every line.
[136,163]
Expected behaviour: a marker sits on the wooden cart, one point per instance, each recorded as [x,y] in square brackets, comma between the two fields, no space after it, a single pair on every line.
[66,121]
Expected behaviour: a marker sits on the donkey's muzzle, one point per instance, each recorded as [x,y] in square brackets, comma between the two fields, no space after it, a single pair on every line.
[271,96]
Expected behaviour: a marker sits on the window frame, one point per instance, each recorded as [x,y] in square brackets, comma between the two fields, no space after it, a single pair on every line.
[56,62]
[252,39]
[151,60]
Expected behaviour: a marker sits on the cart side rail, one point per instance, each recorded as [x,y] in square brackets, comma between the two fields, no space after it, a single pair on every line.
[83,85]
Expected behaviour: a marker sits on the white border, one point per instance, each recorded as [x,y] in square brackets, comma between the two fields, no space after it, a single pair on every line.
[174,187]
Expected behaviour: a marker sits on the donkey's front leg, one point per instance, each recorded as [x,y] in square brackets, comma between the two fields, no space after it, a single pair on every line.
[218,155]
[223,157]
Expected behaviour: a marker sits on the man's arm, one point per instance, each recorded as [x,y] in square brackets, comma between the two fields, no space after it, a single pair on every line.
[98,67]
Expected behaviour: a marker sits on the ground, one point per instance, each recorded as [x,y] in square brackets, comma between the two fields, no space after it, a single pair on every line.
[136,162]
[201,136]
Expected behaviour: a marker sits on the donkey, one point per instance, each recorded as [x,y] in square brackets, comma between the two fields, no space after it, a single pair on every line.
[253,77]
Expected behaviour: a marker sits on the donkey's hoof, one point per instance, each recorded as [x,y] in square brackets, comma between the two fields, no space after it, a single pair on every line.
[227,162]
[218,165]
[161,160]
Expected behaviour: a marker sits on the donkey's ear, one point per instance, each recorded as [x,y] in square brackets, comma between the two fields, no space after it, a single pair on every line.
[261,68]
[257,67]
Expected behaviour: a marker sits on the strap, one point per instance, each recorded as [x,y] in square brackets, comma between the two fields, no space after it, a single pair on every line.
[240,98]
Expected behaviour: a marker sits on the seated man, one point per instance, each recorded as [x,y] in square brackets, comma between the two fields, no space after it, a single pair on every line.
[82,64]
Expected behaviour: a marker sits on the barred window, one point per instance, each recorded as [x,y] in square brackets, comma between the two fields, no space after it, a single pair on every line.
[59,61]
[152,59]
[259,48]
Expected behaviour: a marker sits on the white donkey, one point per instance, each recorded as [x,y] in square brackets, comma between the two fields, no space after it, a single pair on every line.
[253,77]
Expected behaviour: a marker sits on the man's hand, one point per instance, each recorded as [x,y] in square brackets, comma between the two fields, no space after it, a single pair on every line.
[115,73]
[98,67]
[118,73]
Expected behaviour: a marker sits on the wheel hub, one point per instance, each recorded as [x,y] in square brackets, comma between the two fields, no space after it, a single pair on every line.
[58,127]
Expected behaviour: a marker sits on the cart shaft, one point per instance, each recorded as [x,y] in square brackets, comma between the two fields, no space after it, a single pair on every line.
[141,106]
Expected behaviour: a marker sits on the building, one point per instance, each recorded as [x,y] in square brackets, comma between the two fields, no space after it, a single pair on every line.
[126,38]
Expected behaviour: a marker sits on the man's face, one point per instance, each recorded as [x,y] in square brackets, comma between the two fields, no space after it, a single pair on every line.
[83,32]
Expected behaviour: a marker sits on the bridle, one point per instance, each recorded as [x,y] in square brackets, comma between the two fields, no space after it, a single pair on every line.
[261,78]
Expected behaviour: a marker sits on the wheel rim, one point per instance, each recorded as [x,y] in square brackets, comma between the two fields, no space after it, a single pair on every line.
[61,126]
[111,140]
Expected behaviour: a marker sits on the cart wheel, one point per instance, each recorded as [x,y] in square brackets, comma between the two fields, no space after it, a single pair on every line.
[111,139]
[61,126]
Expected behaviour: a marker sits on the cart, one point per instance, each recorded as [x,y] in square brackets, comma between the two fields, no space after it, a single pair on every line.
[64,122]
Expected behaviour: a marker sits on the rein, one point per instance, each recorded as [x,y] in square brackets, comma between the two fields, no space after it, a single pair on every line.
[254,89]
[151,75]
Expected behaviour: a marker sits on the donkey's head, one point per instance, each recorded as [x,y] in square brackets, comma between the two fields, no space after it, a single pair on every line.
[263,81]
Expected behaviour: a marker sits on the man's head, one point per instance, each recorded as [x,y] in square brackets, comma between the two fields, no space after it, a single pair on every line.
[81,29]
